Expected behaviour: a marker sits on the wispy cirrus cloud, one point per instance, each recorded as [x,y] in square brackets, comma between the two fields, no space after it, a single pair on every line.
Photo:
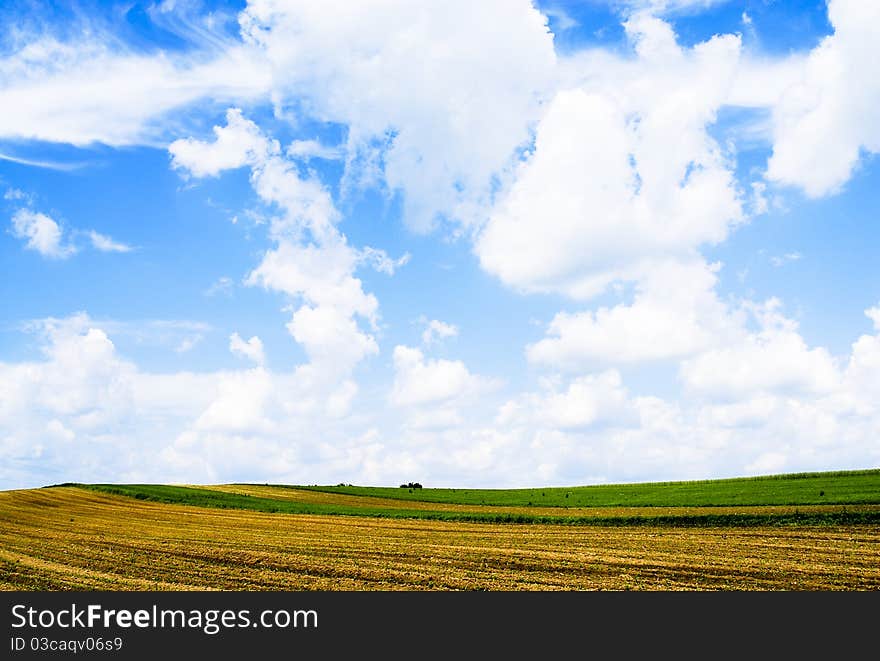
[39,163]
[104,243]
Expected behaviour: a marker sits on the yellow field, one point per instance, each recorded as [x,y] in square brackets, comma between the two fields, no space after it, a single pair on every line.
[68,538]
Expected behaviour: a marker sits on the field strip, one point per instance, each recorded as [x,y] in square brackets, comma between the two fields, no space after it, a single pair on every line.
[70,538]
[347,500]
[676,517]
[824,488]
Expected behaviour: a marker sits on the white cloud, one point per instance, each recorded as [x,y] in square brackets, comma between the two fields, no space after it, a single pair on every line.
[252,349]
[320,274]
[831,112]
[675,313]
[56,428]
[586,401]
[46,236]
[418,380]
[88,91]
[440,98]
[340,401]
[82,378]
[331,338]
[436,331]
[773,360]
[85,413]
[446,100]
[42,163]
[752,412]
[240,405]
[106,244]
[15,194]
[862,372]
[768,463]
[380,260]
[440,143]
[623,171]
[42,233]
[673,5]
[174,333]
[309,149]
[874,315]
[312,262]
[560,20]
[237,144]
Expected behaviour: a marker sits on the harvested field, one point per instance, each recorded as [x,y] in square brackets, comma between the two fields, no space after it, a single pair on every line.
[67,538]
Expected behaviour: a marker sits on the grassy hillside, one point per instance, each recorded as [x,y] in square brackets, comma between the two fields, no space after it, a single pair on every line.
[839,487]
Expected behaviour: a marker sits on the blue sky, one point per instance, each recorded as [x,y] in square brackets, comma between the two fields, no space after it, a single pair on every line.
[514,244]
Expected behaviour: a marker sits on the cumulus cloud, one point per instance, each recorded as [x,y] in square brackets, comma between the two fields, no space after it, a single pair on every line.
[240,405]
[312,261]
[828,116]
[84,412]
[420,380]
[446,100]
[437,331]
[331,337]
[81,390]
[762,400]
[252,349]
[623,171]
[862,372]
[774,359]
[45,235]
[79,411]
[440,144]
[586,401]
[41,233]
[322,275]
[235,145]
[675,313]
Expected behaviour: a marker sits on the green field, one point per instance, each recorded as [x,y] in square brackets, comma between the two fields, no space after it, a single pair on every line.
[829,488]
[837,498]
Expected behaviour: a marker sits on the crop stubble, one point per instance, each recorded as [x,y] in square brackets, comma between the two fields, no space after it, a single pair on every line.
[70,538]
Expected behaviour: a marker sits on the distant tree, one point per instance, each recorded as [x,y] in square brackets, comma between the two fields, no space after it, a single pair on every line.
[411,485]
